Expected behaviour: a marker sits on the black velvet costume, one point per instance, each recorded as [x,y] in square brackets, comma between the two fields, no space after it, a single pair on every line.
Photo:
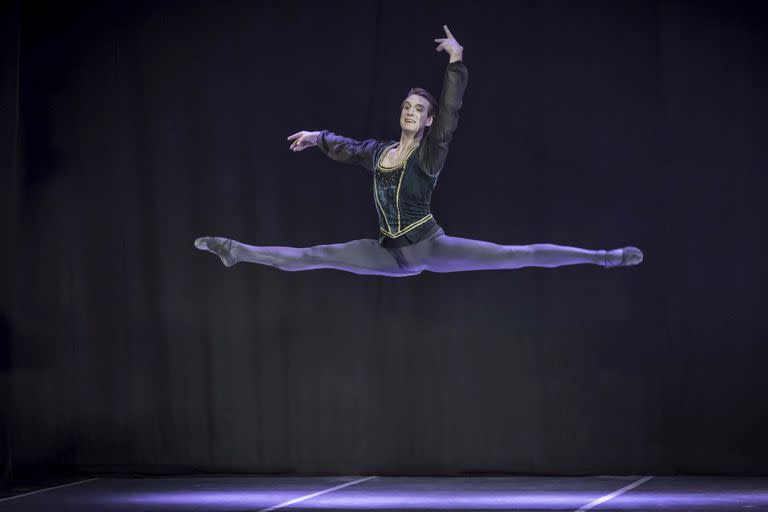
[402,194]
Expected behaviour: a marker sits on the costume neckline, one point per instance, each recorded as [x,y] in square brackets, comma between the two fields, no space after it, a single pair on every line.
[402,163]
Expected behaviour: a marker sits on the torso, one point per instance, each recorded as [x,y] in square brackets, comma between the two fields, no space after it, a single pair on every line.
[402,194]
[392,157]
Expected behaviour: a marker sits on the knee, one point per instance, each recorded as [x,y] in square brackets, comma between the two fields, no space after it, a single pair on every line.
[520,252]
[317,251]
[294,259]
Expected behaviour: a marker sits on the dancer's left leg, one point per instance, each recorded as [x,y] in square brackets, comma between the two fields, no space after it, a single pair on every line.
[454,254]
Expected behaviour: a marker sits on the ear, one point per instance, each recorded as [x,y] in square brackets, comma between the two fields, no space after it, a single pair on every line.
[429,120]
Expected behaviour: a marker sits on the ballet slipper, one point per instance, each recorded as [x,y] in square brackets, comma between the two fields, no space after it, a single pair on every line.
[629,256]
[221,249]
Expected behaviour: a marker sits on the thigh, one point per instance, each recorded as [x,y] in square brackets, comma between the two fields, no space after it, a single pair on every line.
[364,256]
[455,254]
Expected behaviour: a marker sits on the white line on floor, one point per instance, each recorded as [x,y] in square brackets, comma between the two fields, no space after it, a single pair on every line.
[614,494]
[47,489]
[308,496]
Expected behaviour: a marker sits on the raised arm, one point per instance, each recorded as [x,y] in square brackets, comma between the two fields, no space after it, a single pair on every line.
[434,150]
[341,149]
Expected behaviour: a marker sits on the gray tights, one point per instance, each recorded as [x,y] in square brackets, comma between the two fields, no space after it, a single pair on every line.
[436,253]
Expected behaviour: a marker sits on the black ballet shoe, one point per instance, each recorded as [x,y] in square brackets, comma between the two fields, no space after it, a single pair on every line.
[629,256]
[221,249]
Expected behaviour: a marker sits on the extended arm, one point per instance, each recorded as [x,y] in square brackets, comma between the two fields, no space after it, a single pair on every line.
[350,151]
[434,149]
[341,149]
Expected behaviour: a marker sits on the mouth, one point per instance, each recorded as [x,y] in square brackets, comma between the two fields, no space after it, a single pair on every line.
[410,121]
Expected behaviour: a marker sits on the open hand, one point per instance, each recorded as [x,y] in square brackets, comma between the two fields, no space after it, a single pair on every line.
[303,140]
[450,45]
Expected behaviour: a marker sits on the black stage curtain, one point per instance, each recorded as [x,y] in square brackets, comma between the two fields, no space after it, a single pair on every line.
[131,129]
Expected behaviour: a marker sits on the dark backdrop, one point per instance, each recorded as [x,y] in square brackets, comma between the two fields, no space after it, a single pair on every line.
[131,129]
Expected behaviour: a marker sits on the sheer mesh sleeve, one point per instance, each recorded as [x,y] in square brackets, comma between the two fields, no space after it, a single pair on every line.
[350,151]
[434,150]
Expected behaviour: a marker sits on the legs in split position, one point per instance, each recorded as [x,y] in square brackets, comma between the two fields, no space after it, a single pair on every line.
[437,253]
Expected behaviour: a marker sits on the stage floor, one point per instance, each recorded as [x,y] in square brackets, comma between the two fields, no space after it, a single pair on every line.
[257,493]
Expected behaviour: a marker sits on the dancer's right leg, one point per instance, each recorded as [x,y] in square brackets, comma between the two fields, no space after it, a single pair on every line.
[365,256]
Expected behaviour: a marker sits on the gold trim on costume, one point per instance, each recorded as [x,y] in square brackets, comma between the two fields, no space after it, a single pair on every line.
[413,225]
[397,198]
[401,164]
[376,197]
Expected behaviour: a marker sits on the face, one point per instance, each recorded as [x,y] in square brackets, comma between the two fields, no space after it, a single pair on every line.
[413,114]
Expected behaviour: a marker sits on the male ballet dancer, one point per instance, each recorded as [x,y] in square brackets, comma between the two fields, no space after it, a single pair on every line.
[404,175]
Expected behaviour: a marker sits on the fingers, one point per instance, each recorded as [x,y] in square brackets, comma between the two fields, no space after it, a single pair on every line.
[447,31]
[297,134]
[440,47]
[299,144]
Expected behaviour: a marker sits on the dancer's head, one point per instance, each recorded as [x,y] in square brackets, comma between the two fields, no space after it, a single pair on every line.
[417,111]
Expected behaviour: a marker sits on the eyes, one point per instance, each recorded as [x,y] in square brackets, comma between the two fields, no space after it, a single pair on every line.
[419,108]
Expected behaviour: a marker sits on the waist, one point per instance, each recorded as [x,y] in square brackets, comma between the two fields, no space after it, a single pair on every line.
[422,232]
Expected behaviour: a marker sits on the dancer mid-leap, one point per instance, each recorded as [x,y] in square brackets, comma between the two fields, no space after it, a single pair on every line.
[404,175]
